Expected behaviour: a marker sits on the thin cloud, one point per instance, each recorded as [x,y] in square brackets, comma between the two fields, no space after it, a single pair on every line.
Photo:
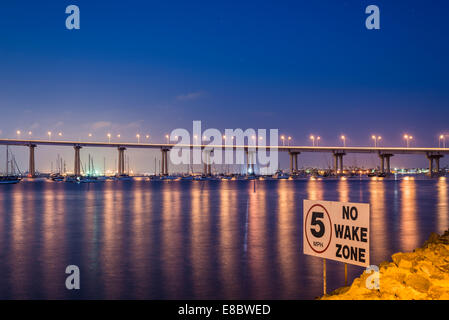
[190,96]
[101,124]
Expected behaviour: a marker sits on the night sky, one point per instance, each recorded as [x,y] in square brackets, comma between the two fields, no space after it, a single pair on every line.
[304,67]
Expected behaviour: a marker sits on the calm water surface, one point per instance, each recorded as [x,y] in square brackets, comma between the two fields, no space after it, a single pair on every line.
[189,240]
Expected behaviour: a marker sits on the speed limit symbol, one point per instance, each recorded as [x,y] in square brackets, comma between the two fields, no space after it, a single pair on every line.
[317,229]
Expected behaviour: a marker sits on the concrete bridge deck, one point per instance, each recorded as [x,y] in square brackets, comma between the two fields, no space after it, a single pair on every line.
[385,153]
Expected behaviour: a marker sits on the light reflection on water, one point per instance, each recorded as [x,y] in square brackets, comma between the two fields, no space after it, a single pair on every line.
[212,239]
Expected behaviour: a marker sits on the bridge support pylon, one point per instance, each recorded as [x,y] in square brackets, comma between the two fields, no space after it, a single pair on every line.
[207,163]
[293,162]
[77,169]
[432,158]
[385,161]
[164,161]
[338,162]
[32,165]
[121,161]
[250,162]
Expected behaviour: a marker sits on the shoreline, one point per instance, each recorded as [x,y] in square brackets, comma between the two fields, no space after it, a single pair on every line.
[422,274]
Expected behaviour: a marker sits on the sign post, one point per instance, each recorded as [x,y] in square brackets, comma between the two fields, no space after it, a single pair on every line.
[337,231]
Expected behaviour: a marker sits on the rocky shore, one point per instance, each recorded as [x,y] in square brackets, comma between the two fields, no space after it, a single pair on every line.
[419,275]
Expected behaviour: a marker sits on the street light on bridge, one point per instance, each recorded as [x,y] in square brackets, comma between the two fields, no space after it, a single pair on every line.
[289,138]
[408,138]
[376,140]
[30,133]
[138,138]
[167,137]
[18,134]
[442,138]
[49,135]
[109,137]
[283,140]
[343,138]
[312,137]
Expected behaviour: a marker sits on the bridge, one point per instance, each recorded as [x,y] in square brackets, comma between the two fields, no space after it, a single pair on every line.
[385,153]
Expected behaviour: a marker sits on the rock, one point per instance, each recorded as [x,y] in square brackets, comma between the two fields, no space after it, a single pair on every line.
[421,274]
[417,282]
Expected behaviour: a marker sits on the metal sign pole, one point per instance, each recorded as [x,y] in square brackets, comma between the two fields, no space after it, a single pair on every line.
[346,274]
[324,277]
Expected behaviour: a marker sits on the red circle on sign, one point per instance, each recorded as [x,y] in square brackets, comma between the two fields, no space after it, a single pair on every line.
[330,222]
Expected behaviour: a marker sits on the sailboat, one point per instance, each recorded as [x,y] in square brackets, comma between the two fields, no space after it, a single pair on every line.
[10,178]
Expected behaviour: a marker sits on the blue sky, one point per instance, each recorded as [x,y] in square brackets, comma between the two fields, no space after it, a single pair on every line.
[300,66]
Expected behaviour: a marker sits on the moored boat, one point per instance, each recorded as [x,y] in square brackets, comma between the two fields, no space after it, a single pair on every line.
[10,179]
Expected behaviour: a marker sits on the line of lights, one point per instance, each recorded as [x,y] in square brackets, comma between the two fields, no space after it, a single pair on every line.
[286,140]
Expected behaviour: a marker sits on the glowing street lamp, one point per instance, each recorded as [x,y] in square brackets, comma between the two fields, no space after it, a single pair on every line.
[167,137]
[343,138]
[138,138]
[30,133]
[60,134]
[118,136]
[318,140]
[376,140]
[312,137]
[18,134]
[289,138]
[49,135]
[109,137]
[147,136]
[283,140]
[90,135]
[442,138]
[408,138]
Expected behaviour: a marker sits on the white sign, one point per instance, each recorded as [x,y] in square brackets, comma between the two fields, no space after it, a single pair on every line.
[337,231]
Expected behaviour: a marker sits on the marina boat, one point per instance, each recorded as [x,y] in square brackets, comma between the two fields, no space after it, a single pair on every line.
[280,175]
[56,177]
[123,177]
[72,179]
[10,179]
[170,178]
[88,179]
